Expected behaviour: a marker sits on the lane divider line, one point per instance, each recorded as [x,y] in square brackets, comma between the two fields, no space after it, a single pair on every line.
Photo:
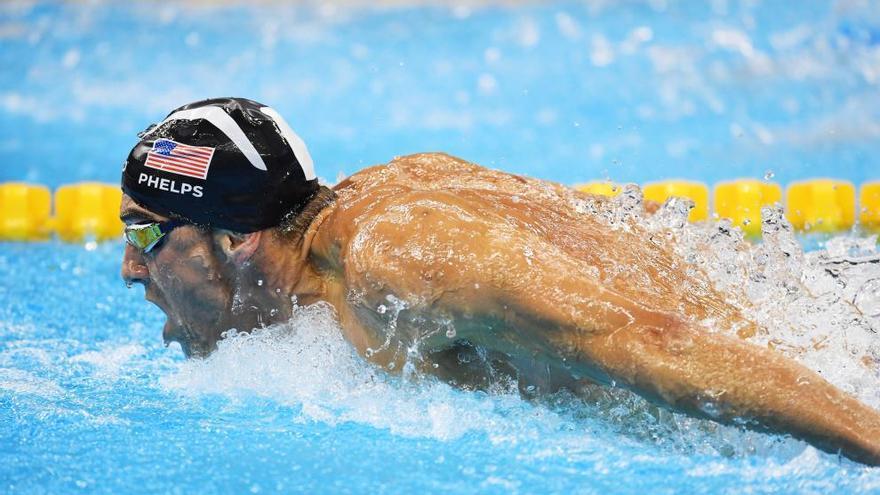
[83,211]
[89,210]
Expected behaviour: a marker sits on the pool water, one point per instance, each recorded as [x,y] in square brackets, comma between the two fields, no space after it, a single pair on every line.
[560,90]
[91,401]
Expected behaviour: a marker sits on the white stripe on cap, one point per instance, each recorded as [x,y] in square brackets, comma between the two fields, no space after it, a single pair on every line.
[295,142]
[221,120]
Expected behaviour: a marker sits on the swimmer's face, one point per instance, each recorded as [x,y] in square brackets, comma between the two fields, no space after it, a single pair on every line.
[185,278]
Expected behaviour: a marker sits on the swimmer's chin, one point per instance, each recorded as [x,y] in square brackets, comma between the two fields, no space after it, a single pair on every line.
[191,348]
[172,333]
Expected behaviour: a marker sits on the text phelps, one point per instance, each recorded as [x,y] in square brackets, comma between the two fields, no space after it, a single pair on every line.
[170,185]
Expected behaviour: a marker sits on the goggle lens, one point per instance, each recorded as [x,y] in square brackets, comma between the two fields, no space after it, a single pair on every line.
[146,236]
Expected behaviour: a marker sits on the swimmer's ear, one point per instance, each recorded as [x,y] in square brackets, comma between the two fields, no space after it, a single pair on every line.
[237,247]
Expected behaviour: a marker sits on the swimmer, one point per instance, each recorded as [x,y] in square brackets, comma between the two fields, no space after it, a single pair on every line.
[430,258]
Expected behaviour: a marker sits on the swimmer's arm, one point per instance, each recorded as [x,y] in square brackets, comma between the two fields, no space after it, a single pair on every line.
[554,309]
[563,313]
[728,380]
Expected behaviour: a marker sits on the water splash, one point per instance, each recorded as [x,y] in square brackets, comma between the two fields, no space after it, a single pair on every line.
[306,363]
[817,307]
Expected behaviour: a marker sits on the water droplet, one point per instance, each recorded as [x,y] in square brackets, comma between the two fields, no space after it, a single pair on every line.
[768,175]
[868,298]
[382,309]
[710,408]
[260,282]
[450,333]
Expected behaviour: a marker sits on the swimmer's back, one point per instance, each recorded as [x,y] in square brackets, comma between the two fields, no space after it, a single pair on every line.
[440,172]
[540,215]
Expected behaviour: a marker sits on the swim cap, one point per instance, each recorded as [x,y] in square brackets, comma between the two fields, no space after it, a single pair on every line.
[230,163]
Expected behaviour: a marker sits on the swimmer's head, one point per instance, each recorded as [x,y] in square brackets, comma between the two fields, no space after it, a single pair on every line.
[222,192]
[228,163]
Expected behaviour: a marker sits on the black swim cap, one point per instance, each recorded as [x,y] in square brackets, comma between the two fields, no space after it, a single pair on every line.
[229,163]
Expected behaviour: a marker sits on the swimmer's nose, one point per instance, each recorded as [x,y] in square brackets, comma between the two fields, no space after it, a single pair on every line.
[134,268]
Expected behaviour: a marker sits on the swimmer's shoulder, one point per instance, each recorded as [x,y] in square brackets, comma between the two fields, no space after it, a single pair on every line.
[372,201]
[443,179]
[418,171]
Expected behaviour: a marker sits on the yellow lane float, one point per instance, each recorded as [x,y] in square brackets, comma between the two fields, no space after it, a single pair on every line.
[741,201]
[869,206]
[821,205]
[24,212]
[694,191]
[601,188]
[88,210]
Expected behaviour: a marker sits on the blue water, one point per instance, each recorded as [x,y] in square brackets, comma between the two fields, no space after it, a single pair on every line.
[91,401]
[563,91]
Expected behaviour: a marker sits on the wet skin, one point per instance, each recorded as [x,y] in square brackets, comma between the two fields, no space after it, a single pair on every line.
[430,257]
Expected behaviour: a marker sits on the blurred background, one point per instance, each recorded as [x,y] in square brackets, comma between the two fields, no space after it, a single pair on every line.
[567,91]
[571,91]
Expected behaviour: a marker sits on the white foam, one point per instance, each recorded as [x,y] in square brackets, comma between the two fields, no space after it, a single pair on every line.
[23,382]
[108,361]
[307,363]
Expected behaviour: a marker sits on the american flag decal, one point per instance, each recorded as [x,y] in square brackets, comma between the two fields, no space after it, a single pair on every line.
[182,159]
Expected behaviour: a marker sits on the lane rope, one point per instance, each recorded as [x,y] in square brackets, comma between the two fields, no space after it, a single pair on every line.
[89,210]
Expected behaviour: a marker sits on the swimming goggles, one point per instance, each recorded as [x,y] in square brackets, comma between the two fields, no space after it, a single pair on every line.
[146,236]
